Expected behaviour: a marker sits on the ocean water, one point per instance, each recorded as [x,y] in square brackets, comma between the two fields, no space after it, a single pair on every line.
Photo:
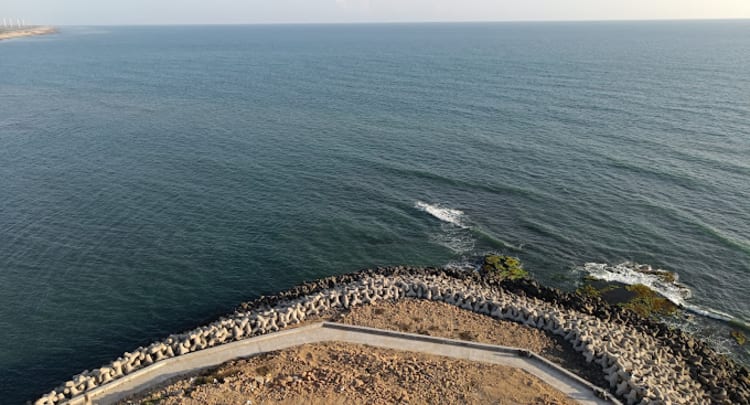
[152,178]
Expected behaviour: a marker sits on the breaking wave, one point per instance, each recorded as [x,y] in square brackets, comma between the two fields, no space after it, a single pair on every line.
[448,215]
[458,234]
[455,233]
[663,282]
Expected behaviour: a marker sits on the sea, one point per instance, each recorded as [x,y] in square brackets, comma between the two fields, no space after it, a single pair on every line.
[152,178]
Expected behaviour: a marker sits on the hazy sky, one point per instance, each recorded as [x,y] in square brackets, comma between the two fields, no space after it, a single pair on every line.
[273,11]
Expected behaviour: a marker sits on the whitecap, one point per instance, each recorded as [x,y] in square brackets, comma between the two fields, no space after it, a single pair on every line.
[454,233]
[447,215]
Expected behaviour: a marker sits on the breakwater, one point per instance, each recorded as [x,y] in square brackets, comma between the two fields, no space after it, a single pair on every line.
[642,360]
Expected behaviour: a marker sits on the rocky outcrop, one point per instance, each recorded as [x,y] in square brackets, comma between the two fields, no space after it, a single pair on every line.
[643,361]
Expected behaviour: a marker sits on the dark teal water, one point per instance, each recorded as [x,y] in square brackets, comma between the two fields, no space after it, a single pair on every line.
[152,178]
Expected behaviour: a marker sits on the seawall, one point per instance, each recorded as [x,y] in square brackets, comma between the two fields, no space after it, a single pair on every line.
[642,360]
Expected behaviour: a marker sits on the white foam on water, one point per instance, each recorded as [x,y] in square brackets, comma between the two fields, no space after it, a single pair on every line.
[455,233]
[458,240]
[447,215]
[714,314]
[631,273]
[462,265]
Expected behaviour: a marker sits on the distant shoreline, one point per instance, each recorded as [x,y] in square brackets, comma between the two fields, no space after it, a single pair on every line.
[26,32]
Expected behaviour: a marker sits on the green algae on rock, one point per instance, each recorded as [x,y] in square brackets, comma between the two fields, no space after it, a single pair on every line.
[638,298]
[739,337]
[648,302]
[502,267]
[587,290]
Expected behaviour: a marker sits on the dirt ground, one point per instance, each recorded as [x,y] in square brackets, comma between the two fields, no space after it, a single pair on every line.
[444,320]
[337,373]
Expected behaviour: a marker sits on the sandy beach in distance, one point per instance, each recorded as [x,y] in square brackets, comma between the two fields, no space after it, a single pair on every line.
[25,32]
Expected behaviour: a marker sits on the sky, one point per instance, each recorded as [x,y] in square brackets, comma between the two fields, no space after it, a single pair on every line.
[115,12]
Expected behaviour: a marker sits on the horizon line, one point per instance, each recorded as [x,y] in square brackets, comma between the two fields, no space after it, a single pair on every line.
[385,22]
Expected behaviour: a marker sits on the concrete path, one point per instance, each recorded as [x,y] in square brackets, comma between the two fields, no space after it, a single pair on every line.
[141,380]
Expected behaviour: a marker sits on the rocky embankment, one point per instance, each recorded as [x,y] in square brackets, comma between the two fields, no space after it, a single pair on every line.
[25,32]
[643,361]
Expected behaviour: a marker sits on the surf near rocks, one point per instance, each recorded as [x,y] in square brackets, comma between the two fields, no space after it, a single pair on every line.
[642,360]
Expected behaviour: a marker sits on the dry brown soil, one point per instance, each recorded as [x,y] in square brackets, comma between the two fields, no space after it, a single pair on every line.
[331,373]
[444,320]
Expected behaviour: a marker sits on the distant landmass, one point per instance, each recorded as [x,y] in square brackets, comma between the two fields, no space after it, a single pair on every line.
[10,33]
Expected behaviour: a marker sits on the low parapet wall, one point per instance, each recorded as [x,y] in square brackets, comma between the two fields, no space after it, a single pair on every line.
[641,360]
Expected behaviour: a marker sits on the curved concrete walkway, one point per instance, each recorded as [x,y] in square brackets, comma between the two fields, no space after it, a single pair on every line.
[557,377]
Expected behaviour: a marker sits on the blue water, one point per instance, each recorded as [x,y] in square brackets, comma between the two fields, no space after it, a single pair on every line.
[152,178]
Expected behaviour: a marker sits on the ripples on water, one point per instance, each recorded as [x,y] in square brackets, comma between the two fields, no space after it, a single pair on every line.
[153,178]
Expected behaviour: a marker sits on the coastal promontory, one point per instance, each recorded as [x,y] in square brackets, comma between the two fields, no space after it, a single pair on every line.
[10,33]
[621,356]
